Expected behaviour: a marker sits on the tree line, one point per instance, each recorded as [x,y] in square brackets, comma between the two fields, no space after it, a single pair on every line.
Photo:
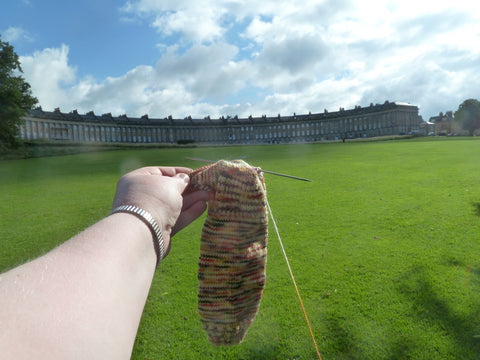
[468,116]
[16,99]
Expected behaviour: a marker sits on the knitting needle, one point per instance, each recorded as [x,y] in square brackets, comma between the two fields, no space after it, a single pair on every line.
[265,171]
[285,175]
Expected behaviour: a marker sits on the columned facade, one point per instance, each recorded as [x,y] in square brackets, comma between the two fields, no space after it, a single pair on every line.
[389,118]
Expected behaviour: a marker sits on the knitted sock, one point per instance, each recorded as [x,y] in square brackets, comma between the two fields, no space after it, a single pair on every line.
[233,249]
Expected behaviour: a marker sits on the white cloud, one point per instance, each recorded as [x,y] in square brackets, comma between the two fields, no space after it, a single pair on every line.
[198,26]
[291,55]
[195,21]
[50,76]
[176,86]
[14,34]
[207,71]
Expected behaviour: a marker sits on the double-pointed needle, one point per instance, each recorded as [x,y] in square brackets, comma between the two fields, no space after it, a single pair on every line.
[265,171]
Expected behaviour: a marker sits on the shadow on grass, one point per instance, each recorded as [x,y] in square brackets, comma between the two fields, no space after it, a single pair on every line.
[341,340]
[476,206]
[431,310]
[401,348]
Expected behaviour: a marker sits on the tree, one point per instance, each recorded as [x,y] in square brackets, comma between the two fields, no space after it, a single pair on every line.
[468,115]
[15,95]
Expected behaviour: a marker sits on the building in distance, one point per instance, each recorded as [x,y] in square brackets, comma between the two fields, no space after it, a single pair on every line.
[390,118]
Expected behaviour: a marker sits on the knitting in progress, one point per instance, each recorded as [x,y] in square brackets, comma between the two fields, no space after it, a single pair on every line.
[233,249]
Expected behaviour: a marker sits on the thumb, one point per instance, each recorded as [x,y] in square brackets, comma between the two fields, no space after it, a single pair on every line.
[183,181]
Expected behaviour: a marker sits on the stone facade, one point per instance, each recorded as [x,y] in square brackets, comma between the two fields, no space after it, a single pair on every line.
[390,118]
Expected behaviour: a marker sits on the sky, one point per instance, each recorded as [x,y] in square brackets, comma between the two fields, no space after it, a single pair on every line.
[244,57]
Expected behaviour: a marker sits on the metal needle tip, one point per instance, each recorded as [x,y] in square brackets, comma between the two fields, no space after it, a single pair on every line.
[265,171]
[285,175]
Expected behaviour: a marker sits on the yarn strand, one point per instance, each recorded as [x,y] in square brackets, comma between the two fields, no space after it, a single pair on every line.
[293,280]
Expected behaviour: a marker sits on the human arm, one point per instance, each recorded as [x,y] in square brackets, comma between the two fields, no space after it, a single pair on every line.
[84,299]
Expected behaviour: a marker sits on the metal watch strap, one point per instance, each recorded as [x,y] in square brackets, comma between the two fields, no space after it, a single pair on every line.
[148,219]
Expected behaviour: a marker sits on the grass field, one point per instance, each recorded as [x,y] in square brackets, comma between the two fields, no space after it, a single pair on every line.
[384,244]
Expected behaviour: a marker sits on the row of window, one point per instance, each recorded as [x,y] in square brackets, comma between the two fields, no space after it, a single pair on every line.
[375,125]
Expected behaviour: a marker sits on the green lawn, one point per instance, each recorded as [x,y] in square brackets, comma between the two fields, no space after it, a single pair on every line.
[384,244]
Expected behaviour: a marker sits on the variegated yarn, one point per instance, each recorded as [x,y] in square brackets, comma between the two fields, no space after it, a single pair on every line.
[233,249]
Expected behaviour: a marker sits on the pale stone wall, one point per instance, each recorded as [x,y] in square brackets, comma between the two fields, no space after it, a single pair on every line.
[378,120]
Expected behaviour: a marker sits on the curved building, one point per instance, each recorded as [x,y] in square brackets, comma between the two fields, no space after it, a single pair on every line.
[390,118]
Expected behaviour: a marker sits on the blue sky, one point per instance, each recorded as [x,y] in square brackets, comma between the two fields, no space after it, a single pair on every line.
[242,57]
[101,42]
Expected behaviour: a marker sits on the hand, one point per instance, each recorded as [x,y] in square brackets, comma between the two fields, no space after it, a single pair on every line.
[160,191]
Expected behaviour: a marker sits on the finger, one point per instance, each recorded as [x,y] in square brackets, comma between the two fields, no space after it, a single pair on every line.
[172,188]
[184,170]
[189,215]
[172,171]
[194,204]
[193,197]
[161,170]
[182,181]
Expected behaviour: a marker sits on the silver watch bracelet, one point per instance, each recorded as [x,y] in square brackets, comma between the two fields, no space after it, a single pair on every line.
[152,224]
